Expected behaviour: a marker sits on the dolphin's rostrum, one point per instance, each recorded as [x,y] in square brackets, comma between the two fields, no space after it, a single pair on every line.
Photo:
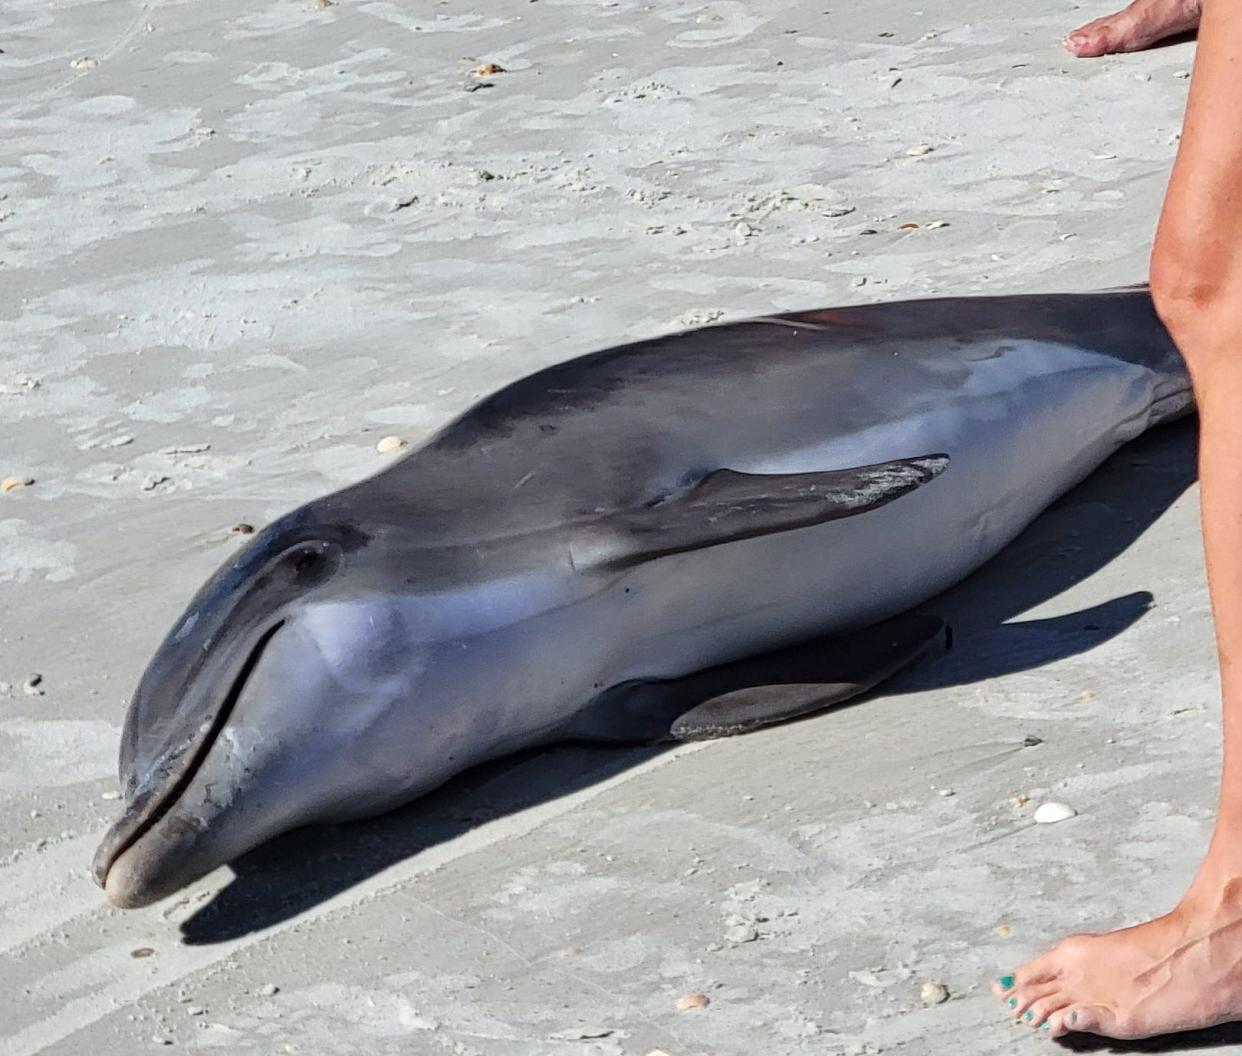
[684,537]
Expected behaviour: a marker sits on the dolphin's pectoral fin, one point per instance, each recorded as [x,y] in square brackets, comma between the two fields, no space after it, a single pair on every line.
[806,678]
[726,506]
[744,695]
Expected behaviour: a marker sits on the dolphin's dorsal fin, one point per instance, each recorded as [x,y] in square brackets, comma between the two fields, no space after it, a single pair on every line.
[726,506]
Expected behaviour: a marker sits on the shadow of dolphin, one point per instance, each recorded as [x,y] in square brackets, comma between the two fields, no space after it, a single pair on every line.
[1075,537]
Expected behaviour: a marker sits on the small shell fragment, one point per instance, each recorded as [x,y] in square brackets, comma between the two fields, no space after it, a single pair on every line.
[84,62]
[488,69]
[741,933]
[1050,813]
[13,483]
[919,149]
[390,444]
[242,528]
[936,224]
[322,5]
[142,951]
[933,994]
[691,1001]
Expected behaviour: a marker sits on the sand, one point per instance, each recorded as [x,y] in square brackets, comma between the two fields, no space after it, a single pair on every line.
[240,243]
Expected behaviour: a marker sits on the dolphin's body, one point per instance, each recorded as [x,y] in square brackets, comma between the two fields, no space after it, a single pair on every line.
[568,557]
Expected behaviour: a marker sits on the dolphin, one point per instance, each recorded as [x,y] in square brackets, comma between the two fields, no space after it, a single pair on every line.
[684,537]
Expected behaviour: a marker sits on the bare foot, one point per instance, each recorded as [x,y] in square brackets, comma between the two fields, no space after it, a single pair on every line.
[1139,26]
[1180,972]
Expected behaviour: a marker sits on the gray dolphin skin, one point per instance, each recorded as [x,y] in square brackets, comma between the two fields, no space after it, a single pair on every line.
[685,537]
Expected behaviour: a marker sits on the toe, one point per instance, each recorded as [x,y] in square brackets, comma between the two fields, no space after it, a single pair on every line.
[1055,1026]
[1091,1019]
[1089,41]
[1028,997]
[1044,1009]
[1037,972]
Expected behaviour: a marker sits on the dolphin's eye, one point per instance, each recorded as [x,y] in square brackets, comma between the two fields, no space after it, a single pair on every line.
[309,563]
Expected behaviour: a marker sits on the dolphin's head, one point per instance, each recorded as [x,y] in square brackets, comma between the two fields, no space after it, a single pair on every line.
[261,708]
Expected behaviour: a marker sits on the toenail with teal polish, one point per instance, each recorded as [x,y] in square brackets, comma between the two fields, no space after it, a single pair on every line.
[1012,1002]
[1006,982]
[1028,1015]
[1046,1026]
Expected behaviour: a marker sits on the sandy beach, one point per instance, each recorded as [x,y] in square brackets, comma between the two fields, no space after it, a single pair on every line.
[241,243]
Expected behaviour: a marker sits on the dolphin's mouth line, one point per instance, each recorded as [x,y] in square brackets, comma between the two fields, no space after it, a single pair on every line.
[154,813]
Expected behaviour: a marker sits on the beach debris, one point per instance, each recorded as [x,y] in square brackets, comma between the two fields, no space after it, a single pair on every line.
[488,69]
[581,1034]
[689,1002]
[858,280]
[657,1052]
[110,794]
[834,211]
[389,444]
[84,62]
[741,933]
[22,384]
[945,792]
[933,994]
[1181,74]
[33,686]
[268,990]
[13,483]
[153,480]
[919,150]
[908,227]
[242,528]
[195,1010]
[1020,800]
[141,952]
[1051,812]
[936,224]
[1031,741]
[159,1039]
[323,5]
[1004,930]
